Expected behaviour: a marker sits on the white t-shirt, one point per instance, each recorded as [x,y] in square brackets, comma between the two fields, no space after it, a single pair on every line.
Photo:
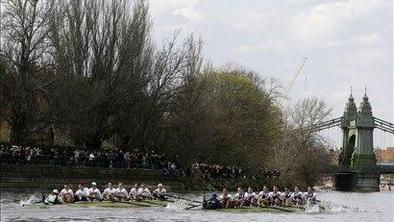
[134,191]
[52,198]
[272,194]
[82,193]
[239,196]
[248,195]
[108,191]
[96,192]
[297,194]
[263,194]
[144,192]
[222,197]
[158,191]
[120,192]
[310,196]
[65,192]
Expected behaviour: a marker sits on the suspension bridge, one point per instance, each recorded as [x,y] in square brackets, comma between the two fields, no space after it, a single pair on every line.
[357,168]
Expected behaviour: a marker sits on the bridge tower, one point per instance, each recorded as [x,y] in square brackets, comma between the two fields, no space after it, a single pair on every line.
[363,154]
[357,151]
[349,132]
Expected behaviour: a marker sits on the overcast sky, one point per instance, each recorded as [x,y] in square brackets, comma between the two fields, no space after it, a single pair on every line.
[347,43]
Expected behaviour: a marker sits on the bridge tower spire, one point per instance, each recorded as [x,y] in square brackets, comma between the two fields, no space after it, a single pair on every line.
[348,123]
[364,153]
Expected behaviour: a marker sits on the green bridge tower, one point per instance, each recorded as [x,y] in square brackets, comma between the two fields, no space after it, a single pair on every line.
[357,152]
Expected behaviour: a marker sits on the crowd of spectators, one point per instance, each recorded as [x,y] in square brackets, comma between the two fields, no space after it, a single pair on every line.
[216,171]
[83,158]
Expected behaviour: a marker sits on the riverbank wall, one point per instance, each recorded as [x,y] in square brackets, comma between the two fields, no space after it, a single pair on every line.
[44,178]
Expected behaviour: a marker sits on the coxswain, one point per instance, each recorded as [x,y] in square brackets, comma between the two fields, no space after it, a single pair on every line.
[144,193]
[250,197]
[133,195]
[263,199]
[67,194]
[53,198]
[239,198]
[310,195]
[212,203]
[297,197]
[160,192]
[275,197]
[94,193]
[225,199]
[81,194]
[120,192]
[108,192]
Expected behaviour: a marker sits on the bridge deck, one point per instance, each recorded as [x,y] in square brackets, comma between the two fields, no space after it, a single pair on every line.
[379,169]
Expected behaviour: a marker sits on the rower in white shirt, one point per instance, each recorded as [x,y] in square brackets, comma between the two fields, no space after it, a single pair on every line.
[120,192]
[239,198]
[108,192]
[250,197]
[297,198]
[133,195]
[53,198]
[94,193]
[275,197]
[160,192]
[67,194]
[310,195]
[225,199]
[262,199]
[286,196]
[144,193]
[81,194]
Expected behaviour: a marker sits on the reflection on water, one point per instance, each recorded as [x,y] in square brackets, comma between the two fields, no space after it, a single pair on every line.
[341,207]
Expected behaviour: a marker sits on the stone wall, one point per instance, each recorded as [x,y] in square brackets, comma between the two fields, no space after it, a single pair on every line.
[18,178]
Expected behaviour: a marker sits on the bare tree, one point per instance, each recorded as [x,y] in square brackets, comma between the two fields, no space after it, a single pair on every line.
[25,53]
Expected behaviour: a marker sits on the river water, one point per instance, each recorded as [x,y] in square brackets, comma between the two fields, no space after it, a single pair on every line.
[341,207]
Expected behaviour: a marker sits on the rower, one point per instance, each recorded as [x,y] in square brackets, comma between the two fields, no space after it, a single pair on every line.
[225,199]
[144,193]
[286,196]
[250,197]
[212,203]
[134,192]
[297,197]
[82,193]
[239,198]
[275,197]
[160,192]
[120,192]
[67,194]
[310,195]
[262,199]
[108,192]
[94,193]
[53,198]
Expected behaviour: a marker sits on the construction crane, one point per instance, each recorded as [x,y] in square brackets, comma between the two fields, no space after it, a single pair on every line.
[296,74]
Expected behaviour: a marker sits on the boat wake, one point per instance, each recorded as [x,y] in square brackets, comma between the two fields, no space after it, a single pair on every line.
[328,207]
[33,199]
[179,204]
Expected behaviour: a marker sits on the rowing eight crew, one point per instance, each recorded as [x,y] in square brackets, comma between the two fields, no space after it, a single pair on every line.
[138,192]
[262,199]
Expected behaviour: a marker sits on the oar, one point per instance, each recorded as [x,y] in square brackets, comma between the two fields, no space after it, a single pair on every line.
[128,202]
[192,206]
[281,209]
[182,198]
[152,202]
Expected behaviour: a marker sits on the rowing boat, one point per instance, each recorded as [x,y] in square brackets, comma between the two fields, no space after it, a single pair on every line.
[106,204]
[260,209]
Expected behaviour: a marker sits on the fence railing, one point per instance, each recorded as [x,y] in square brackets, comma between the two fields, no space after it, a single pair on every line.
[65,161]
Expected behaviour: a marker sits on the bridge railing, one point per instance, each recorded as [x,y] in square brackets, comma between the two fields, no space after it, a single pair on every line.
[380,169]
